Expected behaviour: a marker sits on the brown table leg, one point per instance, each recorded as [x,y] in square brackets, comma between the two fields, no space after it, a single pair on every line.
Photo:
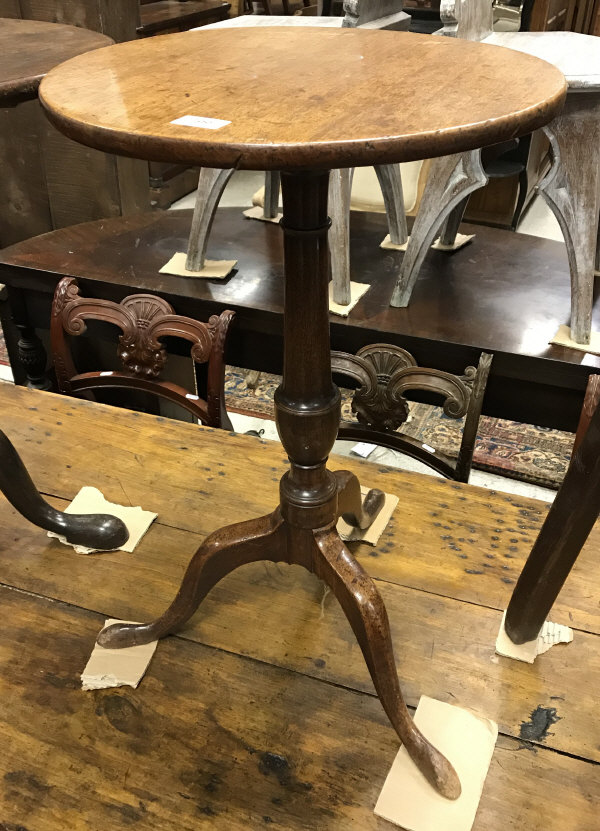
[562,536]
[100,531]
[303,529]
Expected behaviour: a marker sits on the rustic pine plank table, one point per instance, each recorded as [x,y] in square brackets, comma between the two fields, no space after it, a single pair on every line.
[241,721]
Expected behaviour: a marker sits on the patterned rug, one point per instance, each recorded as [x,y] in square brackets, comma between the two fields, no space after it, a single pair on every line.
[520,451]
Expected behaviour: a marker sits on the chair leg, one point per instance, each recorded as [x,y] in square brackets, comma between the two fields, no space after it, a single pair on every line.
[211,185]
[340,186]
[390,182]
[572,190]
[464,461]
[590,402]
[451,179]
[100,531]
[569,521]
[366,613]
[272,188]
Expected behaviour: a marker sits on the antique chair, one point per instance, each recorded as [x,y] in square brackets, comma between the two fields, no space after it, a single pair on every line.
[143,319]
[385,374]
[386,14]
[572,186]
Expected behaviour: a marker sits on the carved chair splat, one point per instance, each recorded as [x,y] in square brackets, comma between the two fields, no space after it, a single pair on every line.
[143,319]
[386,373]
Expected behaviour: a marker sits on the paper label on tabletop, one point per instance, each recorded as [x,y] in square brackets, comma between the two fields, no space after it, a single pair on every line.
[467,741]
[116,667]
[550,635]
[200,121]
[363,449]
[91,501]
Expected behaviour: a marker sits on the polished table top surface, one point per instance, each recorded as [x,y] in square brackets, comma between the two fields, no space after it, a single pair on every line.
[294,98]
[30,48]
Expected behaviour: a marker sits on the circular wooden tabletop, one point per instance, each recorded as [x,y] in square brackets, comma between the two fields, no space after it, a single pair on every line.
[30,48]
[284,98]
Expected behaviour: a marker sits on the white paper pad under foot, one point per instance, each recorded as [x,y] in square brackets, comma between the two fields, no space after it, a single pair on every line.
[125,667]
[257,212]
[467,741]
[550,635]
[357,290]
[90,500]
[563,338]
[371,535]
[213,269]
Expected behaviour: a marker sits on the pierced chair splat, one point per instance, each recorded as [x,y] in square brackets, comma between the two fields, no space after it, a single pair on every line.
[386,373]
[143,319]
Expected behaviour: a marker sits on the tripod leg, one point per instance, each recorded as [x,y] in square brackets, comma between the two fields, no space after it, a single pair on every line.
[100,531]
[365,610]
[350,502]
[221,552]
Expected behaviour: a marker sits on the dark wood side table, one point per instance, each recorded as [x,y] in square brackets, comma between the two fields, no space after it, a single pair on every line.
[279,118]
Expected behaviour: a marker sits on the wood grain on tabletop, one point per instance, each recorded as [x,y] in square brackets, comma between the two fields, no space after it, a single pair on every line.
[29,48]
[281,117]
[237,757]
[444,647]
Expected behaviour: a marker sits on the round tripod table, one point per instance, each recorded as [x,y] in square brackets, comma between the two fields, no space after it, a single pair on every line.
[303,102]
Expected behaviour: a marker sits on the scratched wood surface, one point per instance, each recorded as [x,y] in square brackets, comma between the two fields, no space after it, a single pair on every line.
[251,703]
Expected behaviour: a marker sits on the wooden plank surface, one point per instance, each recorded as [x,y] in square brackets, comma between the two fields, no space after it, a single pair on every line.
[183,474]
[218,741]
[268,637]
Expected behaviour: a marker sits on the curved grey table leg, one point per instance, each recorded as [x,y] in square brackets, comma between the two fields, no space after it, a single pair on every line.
[572,190]
[272,188]
[390,182]
[451,179]
[211,185]
[100,531]
[340,186]
[452,224]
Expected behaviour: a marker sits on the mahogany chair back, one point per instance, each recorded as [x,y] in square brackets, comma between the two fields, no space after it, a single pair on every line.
[385,374]
[143,320]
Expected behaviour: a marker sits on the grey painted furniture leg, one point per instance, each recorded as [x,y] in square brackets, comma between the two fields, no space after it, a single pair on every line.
[211,185]
[572,190]
[390,182]
[451,179]
[272,187]
[340,186]
[452,224]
